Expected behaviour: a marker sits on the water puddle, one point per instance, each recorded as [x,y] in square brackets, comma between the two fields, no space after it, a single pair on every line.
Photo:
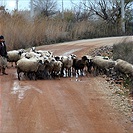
[20,89]
[72,51]
[81,80]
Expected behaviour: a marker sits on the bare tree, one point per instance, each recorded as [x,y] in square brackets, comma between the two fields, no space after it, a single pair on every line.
[82,12]
[108,10]
[45,7]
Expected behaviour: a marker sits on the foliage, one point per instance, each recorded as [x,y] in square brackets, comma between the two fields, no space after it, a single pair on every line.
[21,31]
[123,50]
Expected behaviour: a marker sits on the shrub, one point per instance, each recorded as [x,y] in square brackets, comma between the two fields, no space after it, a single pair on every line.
[124,51]
[21,31]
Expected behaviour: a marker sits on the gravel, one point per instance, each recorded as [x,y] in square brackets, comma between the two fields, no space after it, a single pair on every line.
[116,93]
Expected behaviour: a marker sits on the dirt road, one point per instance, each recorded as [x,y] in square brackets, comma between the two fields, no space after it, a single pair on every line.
[61,106]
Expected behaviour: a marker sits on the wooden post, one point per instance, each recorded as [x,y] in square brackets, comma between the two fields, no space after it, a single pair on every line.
[62,10]
[122,16]
[31,9]
[17,5]
[0,29]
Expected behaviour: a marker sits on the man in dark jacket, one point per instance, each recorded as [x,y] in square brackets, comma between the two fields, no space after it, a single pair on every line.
[3,56]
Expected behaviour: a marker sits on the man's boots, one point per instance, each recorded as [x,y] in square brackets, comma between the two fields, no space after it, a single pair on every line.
[3,71]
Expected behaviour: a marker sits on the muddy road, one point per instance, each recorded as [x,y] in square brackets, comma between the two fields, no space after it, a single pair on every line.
[61,106]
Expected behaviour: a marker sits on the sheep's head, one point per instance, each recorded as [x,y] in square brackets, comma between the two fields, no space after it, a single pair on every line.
[73,56]
[84,58]
[46,62]
[57,58]
[33,49]
[21,51]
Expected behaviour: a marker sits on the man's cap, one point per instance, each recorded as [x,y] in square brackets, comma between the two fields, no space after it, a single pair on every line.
[1,37]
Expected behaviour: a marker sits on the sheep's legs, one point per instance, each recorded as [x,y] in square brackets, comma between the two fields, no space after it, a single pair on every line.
[77,75]
[70,72]
[18,72]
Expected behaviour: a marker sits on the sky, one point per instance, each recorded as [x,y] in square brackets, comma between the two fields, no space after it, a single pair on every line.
[25,4]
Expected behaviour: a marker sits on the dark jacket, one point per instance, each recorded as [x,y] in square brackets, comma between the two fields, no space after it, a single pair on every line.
[3,51]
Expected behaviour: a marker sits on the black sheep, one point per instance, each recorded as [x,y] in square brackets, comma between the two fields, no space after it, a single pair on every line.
[79,64]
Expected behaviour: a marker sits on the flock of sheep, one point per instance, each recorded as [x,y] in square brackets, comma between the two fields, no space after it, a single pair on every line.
[43,64]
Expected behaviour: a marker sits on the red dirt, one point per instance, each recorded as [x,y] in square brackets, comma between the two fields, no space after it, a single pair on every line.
[61,106]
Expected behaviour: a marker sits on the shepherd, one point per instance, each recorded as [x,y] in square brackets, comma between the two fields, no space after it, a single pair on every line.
[3,56]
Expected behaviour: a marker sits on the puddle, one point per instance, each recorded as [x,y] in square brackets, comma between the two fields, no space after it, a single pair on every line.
[20,90]
[72,51]
[79,80]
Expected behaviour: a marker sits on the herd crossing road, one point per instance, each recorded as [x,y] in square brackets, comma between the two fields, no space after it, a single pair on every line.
[61,106]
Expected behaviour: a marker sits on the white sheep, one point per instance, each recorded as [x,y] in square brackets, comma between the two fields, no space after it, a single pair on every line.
[42,52]
[103,65]
[67,64]
[42,72]
[33,49]
[49,67]
[124,67]
[32,54]
[53,68]
[28,67]
[14,55]
[57,69]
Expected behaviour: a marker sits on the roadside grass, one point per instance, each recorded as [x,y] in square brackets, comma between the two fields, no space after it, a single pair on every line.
[124,51]
[23,32]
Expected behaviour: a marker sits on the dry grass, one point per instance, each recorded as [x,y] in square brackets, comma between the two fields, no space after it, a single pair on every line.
[124,51]
[20,32]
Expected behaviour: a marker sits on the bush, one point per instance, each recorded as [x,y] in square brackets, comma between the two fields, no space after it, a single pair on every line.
[124,51]
[21,31]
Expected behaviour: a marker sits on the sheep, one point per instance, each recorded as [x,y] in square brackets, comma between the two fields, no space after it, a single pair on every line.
[89,63]
[67,64]
[49,67]
[79,65]
[33,49]
[124,67]
[58,58]
[42,52]
[57,69]
[53,68]
[14,56]
[103,65]
[42,73]
[32,54]
[28,66]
